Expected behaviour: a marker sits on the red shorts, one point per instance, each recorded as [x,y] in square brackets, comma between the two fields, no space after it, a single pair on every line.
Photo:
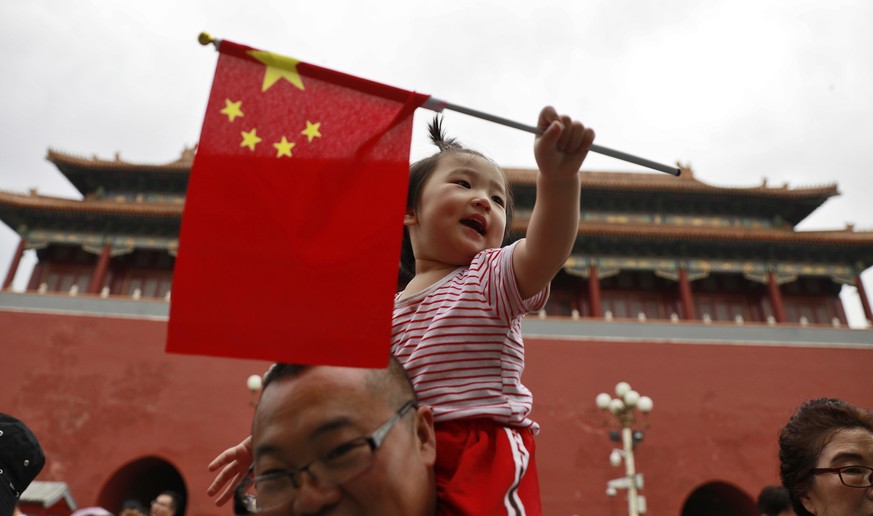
[485,469]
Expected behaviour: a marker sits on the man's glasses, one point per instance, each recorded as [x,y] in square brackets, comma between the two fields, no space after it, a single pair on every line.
[341,464]
[851,476]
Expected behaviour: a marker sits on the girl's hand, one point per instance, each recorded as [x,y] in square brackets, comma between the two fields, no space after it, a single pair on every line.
[563,144]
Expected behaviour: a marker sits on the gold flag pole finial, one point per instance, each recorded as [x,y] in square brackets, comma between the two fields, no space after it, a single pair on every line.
[205,39]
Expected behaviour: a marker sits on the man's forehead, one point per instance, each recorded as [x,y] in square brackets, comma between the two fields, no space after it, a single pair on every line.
[320,397]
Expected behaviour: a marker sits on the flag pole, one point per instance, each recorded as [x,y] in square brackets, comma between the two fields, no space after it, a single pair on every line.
[438,105]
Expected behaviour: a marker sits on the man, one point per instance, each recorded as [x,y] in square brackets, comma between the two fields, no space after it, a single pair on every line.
[21,459]
[165,504]
[774,501]
[338,440]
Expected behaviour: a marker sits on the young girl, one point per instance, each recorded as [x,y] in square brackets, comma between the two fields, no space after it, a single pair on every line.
[457,325]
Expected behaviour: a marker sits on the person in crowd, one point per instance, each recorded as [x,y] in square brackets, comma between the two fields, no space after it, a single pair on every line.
[774,501]
[91,511]
[167,503]
[339,439]
[21,460]
[826,459]
[132,508]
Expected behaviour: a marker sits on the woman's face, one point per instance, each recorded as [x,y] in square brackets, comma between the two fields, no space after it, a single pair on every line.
[827,496]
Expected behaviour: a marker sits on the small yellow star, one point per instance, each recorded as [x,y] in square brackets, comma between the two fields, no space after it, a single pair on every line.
[250,139]
[278,67]
[311,130]
[284,148]
[232,109]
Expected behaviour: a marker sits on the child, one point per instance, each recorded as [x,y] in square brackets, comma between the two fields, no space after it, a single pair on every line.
[457,325]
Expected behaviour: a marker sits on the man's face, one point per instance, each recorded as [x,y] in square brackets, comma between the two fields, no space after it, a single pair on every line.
[163,506]
[304,418]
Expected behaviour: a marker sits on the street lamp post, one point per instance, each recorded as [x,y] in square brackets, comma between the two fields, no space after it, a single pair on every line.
[623,407]
[253,384]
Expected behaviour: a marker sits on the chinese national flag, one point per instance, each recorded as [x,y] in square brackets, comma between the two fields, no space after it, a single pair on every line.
[290,238]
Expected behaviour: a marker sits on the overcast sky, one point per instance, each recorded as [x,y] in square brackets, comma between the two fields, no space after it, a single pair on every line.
[741,90]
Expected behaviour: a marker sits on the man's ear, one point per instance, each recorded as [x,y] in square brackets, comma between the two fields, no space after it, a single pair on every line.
[410,219]
[426,436]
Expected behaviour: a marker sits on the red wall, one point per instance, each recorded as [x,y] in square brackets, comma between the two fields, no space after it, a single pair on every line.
[717,414]
[101,392]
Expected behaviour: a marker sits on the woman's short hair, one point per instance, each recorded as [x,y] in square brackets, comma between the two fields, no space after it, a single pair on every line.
[803,438]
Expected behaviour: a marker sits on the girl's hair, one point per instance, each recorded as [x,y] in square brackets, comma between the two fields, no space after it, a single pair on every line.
[804,437]
[420,172]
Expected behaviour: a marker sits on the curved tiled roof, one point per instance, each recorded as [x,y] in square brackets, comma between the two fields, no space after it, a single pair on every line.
[59,204]
[847,236]
[89,175]
[609,180]
[666,183]
[183,164]
[586,228]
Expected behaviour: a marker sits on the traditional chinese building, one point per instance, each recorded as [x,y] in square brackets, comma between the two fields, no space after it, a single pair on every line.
[706,298]
[654,247]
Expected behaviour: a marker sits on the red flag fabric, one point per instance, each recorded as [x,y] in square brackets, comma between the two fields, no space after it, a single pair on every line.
[290,238]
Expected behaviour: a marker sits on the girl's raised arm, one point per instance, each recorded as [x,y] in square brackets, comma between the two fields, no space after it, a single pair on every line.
[559,150]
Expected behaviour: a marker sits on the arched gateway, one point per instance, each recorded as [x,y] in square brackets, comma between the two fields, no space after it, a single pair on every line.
[142,479]
[719,499]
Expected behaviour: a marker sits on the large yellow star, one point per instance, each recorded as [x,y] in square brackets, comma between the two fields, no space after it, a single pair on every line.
[311,130]
[278,67]
[284,148]
[232,109]
[250,139]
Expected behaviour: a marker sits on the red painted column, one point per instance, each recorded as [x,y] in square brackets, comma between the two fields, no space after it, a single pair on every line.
[13,267]
[594,292]
[776,298]
[864,301]
[685,295]
[100,270]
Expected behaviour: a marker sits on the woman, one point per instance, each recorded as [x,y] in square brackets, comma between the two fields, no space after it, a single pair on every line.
[826,455]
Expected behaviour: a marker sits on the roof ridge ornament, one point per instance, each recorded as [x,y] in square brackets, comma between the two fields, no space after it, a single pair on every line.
[187,155]
[687,172]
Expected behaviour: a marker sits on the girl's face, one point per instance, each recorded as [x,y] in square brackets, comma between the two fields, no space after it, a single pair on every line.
[827,496]
[461,211]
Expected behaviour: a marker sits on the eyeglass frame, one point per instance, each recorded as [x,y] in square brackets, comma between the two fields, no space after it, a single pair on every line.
[839,472]
[242,505]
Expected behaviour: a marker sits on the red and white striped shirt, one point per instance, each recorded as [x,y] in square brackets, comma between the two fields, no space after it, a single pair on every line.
[460,341]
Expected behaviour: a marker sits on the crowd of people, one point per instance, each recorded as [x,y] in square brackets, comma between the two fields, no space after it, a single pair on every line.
[369,447]
[826,450]
[21,460]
